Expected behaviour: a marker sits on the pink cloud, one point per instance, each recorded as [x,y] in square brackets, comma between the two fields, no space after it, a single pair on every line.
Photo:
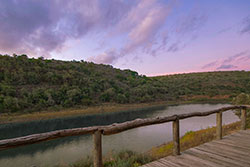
[108,57]
[144,32]
[141,26]
[239,61]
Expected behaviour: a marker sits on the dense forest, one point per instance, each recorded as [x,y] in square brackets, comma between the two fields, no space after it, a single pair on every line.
[29,84]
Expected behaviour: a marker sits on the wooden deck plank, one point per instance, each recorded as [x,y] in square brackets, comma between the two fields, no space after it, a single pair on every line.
[211,157]
[240,137]
[196,159]
[162,164]
[245,135]
[238,142]
[185,161]
[163,161]
[157,164]
[233,144]
[232,156]
[232,147]
[232,151]
[244,132]
[178,160]
[204,159]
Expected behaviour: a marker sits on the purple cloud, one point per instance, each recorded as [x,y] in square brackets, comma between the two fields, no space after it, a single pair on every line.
[187,26]
[191,23]
[141,25]
[224,66]
[234,58]
[174,47]
[22,20]
[144,32]
[224,30]
[209,65]
[144,24]
[239,60]
[39,27]
[246,25]
[105,58]
[244,58]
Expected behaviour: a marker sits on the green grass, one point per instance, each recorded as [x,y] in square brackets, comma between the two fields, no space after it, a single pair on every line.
[121,159]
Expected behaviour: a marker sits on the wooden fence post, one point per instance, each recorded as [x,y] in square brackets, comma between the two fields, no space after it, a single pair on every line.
[97,137]
[176,137]
[243,118]
[219,125]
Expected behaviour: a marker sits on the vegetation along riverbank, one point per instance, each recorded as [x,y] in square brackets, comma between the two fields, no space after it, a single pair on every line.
[29,85]
[93,110]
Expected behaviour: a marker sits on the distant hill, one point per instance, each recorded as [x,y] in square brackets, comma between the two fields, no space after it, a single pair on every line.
[29,84]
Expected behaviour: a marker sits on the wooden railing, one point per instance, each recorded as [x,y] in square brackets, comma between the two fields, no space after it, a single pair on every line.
[98,131]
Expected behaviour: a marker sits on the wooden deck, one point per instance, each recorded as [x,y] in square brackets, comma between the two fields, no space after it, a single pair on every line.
[232,151]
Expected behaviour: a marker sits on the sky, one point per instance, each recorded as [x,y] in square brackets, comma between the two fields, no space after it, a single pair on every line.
[152,37]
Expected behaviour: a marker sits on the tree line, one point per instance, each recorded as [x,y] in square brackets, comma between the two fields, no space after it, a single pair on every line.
[29,84]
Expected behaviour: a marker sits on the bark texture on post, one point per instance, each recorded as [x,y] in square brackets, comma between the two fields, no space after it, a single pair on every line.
[243,118]
[97,137]
[176,137]
[219,125]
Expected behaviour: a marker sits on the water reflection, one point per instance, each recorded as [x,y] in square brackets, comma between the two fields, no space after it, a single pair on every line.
[70,149]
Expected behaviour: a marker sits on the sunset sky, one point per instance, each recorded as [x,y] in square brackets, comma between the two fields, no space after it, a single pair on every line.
[152,37]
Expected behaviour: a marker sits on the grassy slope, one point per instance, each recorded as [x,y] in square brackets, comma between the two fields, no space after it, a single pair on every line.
[31,85]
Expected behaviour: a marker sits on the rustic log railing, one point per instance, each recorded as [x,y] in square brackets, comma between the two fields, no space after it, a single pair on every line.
[98,131]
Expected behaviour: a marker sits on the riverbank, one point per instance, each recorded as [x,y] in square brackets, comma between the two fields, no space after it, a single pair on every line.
[100,109]
[132,159]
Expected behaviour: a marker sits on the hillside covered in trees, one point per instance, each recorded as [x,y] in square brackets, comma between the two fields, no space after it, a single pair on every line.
[29,84]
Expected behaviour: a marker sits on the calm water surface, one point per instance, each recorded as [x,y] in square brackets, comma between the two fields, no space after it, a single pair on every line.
[71,149]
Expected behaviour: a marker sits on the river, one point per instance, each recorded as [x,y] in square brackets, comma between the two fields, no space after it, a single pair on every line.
[70,149]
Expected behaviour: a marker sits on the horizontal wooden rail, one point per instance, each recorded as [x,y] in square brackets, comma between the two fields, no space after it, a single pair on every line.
[35,138]
[117,128]
[97,131]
